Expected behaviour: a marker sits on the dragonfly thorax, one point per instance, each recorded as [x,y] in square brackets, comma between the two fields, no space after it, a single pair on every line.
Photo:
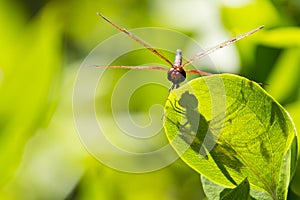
[178,58]
[176,74]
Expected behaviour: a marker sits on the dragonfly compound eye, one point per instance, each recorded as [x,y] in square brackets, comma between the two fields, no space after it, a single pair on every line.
[176,75]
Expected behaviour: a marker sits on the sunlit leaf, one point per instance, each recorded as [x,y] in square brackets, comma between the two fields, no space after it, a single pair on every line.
[228,128]
[214,191]
[242,191]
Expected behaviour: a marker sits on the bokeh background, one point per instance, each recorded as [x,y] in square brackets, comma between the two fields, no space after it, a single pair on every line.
[43,44]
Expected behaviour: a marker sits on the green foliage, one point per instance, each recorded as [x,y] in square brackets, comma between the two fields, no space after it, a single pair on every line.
[285,37]
[242,191]
[228,128]
[42,46]
[25,100]
[278,45]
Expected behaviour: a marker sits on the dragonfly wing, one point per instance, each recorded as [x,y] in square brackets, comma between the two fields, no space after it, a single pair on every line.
[192,71]
[134,37]
[219,46]
[136,67]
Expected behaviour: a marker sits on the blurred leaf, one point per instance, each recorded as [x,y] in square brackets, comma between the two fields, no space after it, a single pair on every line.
[247,20]
[101,182]
[294,110]
[284,79]
[227,128]
[246,15]
[53,159]
[27,87]
[289,9]
[9,34]
[86,29]
[285,37]
[240,19]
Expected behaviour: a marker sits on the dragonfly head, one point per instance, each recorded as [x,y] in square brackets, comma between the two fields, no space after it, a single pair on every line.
[176,75]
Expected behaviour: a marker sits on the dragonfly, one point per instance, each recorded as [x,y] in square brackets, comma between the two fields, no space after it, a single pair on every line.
[176,73]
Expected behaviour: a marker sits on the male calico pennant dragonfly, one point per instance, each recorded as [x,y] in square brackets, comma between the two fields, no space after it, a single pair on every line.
[176,74]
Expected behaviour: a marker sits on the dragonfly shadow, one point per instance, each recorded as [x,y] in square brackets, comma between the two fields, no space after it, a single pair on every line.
[195,130]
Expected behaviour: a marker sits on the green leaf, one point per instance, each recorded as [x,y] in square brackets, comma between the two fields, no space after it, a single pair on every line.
[286,37]
[211,190]
[214,191]
[228,128]
[288,75]
[246,18]
[242,191]
[28,84]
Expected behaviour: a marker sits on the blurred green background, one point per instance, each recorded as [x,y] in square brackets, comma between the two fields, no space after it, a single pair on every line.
[42,46]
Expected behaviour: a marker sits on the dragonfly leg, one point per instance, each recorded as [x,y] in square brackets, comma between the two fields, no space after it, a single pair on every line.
[172,87]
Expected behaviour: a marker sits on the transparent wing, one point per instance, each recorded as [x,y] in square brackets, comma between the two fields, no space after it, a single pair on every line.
[135,67]
[148,46]
[219,46]
[192,71]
